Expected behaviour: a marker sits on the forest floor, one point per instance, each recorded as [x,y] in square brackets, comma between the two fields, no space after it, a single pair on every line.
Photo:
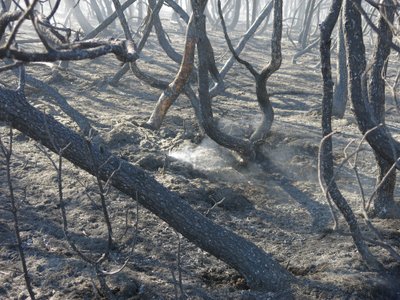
[277,204]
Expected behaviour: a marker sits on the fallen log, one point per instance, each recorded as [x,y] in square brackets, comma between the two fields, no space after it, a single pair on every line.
[260,269]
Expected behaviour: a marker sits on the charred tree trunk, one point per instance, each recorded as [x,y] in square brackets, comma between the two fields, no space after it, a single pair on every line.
[261,79]
[174,89]
[261,82]
[326,147]
[5,5]
[384,205]
[108,21]
[231,9]
[379,139]
[301,13]
[243,147]
[249,33]
[140,11]
[247,14]
[259,268]
[235,14]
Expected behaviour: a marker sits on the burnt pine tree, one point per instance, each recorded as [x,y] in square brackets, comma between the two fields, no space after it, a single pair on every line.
[369,105]
[384,205]
[259,268]
[326,156]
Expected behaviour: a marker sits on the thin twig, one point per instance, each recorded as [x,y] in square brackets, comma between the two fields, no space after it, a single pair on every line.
[7,152]
[325,191]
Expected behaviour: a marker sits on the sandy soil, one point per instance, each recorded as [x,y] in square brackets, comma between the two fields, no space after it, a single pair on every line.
[276,204]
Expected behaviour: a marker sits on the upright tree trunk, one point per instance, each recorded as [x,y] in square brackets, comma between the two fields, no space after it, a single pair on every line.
[340,91]
[384,204]
[326,156]
[263,98]
[247,14]
[305,31]
[254,11]
[97,11]
[301,12]
[140,11]
[379,138]
[235,14]
[5,5]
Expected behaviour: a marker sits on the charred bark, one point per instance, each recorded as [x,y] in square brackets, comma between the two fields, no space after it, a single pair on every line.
[244,147]
[171,93]
[326,146]
[259,268]
[379,139]
[249,33]
[261,83]
[384,204]
[261,78]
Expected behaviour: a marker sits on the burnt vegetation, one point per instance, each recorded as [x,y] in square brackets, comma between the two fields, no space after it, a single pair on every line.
[220,149]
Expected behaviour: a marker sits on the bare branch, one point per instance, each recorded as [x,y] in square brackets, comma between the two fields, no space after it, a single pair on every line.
[7,152]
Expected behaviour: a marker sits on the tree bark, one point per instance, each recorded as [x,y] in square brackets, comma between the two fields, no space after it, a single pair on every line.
[384,204]
[174,89]
[261,82]
[249,33]
[326,147]
[261,78]
[379,139]
[244,147]
[260,270]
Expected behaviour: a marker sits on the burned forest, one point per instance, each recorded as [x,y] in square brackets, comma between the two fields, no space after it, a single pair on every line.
[194,149]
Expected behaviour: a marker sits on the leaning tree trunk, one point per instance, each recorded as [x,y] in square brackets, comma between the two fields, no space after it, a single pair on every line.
[249,33]
[259,268]
[171,93]
[384,205]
